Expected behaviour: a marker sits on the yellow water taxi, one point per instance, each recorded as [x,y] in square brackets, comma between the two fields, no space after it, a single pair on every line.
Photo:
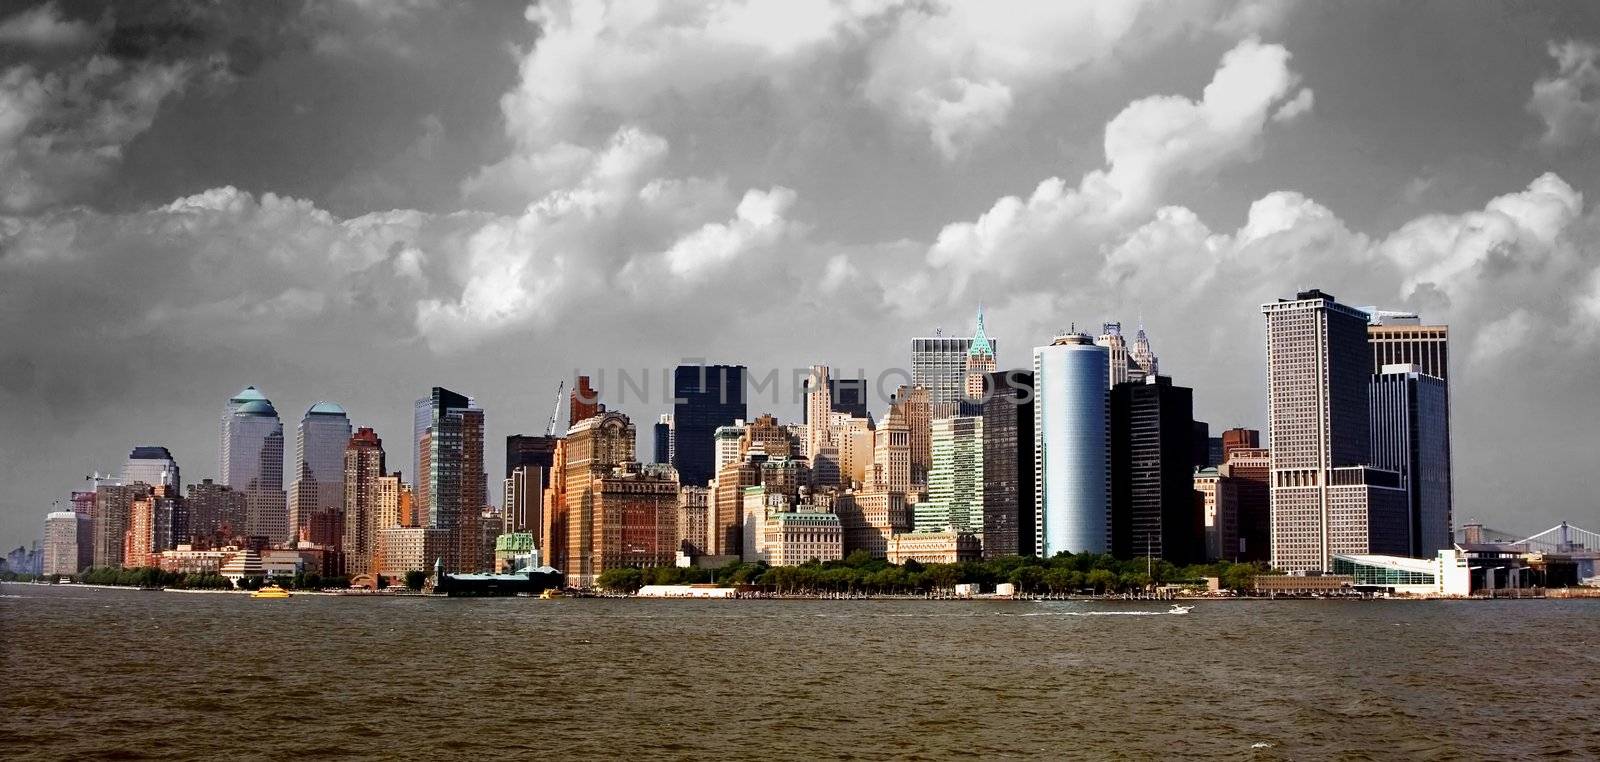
[270,591]
[549,593]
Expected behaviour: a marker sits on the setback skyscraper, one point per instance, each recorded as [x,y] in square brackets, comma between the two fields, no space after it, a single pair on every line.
[452,488]
[251,462]
[1072,486]
[939,364]
[1326,498]
[152,465]
[318,488]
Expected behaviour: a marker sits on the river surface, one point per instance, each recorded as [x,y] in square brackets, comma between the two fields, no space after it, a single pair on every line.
[112,673]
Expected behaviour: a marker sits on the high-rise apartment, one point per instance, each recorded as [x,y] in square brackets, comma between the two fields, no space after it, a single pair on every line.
[1326,497]
[452,487]
[1072,485]
[318,487]
[252,463]
[705,397]
[363,468]
[113,510]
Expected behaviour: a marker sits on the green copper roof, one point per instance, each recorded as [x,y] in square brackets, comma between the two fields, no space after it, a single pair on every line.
[515,542]
[325,408]
[247,394]
[257,407]
[980,340]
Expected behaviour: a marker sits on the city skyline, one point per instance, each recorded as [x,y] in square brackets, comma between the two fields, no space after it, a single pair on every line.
[429,207]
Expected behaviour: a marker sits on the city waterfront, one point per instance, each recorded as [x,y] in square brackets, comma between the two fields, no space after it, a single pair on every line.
[122,673]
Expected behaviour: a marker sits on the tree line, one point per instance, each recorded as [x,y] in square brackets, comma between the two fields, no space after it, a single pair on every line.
[861,573]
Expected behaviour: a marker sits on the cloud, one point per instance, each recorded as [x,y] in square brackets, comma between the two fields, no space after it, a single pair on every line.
[42,27]
[1060,227]
[1568,102]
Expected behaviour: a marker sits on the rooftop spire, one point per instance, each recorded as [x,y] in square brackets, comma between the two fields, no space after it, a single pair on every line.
[980,340]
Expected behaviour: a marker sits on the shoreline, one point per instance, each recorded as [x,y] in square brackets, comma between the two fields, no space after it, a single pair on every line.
[1561,595]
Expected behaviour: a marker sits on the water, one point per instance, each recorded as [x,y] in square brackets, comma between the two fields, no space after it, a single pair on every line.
[112,673]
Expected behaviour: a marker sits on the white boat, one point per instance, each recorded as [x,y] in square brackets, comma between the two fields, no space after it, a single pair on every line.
[1177,609]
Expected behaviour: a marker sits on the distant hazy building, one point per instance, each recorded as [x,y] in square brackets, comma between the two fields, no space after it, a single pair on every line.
[1326,497]
[1411,435]
[68,543]
[363,468]
[1152,495]
[1008,465]
[152,465]
[1072,485]
[707,396]
[452,487]
[252,463]
[318,487]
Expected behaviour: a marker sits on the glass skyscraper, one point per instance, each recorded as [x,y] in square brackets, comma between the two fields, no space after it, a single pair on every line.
[1072,486]
[318,486]
[152,465]
[251,462]
[706,397]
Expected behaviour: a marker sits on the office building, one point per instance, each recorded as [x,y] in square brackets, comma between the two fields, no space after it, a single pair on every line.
[845,395]
[870,516]
[802,535]
[1411,435]
[980,363]
[1008,463]
[913,406]
[412,549]
[1238,439]
[594,447]
[1219,500]
[955,484]
[1152,455]
[583,402]
[632,522]
[694,527]
[1326,497]
[725,443]
[362,520]
[317,496]
[939,365]
[1249,471]
[452,487]
[217,514]
[68,543]
[705,397]
[152,465]
[529,463]
[934,547]
[251,462]
[817,410]
[1072,485]
[663,439]
[1400,338]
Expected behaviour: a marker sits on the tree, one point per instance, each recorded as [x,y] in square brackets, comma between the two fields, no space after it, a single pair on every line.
[625,579]
[415,579]
[1103,580]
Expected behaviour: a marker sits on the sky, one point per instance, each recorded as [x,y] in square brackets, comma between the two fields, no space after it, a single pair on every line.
[358,200]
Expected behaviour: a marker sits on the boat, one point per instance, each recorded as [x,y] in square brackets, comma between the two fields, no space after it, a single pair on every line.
[549,593]
[270,591]
[1177,609]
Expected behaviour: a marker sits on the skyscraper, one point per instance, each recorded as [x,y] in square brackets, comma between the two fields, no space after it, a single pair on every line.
[1152,465]
[217,513]
[1239,439]
[318,487]
[706,396]
[593,447]
[452,487]
[151,518]
[363,468]
[113,510]
[939,364]
[663,439]
[529,461]
[68,543]
[1250,471]
[152,465]
[845,395]
[914,406]
[1411,435]
[818,407]
[980,363]
[1008,463]
[955,483]
[252,463]
[584,402]
[1326,498]
[1072,486]
[1400,338]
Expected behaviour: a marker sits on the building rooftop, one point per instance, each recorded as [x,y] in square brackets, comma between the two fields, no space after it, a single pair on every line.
[325,408]
[257,407]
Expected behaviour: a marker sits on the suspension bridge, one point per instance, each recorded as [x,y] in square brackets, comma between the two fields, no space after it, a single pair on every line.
[1582,545]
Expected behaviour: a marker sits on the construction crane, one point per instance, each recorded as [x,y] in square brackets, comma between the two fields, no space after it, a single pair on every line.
[550,429]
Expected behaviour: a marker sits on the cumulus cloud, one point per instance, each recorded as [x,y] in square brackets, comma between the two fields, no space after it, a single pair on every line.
[1568,102]
[42,27]
[1147,144]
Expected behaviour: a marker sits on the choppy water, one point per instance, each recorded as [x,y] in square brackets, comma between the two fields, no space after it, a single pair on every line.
[108,673]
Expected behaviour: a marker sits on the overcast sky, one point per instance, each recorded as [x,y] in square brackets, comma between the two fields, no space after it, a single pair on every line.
[355,201]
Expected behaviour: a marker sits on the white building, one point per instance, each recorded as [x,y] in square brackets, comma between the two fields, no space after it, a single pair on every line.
[1445,575]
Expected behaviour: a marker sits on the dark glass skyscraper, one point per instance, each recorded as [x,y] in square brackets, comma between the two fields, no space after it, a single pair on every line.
[1153,437]
[1411,435]
[1008,513]
[452,488]
[707,396]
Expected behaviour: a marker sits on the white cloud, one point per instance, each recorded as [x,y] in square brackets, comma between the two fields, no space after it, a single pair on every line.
[43,27]
[1568,102]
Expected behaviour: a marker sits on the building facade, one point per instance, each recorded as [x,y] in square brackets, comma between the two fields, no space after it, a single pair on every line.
[452,486]
[1008,463]
[318,486]
[1325,496]
[1152,455]
[1411,436]
[362,518]
[251,462]
[68,543]
[154,466]
[1072,485]
[706,397]
[796,537]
